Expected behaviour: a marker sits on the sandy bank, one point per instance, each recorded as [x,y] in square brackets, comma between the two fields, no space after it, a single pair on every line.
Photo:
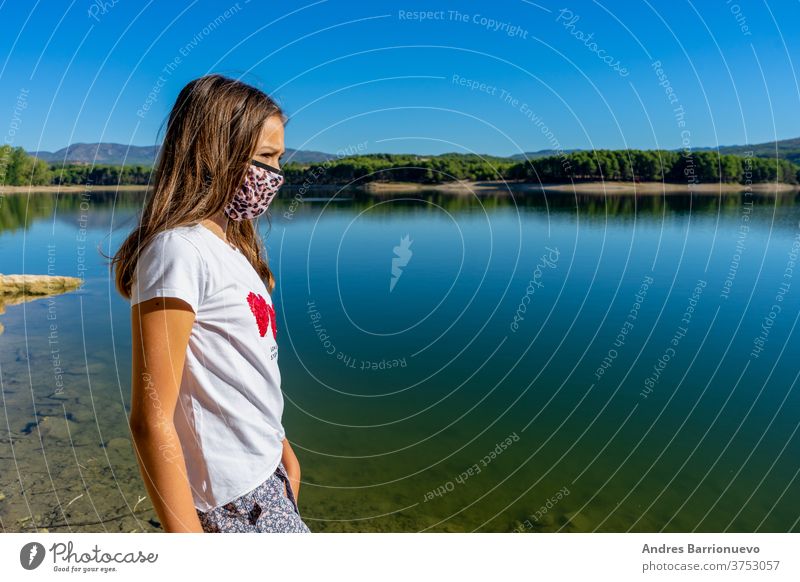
[598,188]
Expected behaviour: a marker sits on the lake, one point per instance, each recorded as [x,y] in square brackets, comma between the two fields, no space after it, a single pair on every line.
[537,363]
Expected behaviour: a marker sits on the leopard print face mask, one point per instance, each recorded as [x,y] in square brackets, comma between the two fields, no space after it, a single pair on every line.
[259,188]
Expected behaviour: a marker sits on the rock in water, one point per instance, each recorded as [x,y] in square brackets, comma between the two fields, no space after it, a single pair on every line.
[37,284]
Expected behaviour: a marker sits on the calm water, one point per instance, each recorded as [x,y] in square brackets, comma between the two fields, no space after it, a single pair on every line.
[544,364]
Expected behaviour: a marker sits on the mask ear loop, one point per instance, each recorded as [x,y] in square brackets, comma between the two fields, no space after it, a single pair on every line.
[266,167]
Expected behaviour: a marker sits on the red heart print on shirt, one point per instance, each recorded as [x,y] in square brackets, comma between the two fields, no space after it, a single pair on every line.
[264,314]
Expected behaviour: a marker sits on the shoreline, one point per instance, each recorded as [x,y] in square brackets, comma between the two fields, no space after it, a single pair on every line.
[69,188]
[470,187]
[595,188]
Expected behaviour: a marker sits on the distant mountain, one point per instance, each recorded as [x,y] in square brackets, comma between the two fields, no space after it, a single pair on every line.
[101,154]
[117,154]
[306,156]
[539,154]
[788,149]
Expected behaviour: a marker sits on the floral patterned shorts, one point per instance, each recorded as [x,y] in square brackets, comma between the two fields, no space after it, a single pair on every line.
[265,509]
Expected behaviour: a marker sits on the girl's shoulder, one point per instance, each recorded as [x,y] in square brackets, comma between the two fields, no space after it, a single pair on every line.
[182,243]
[172,264]
[181,236]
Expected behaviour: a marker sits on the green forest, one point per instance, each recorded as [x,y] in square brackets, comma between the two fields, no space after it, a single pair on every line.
[625,165]
[18,168]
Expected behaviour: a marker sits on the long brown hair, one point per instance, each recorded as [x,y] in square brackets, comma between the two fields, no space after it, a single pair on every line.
[212,133]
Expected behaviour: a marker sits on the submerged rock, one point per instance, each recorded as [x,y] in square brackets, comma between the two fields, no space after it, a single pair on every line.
[119,445]
[55,427]
[15,289]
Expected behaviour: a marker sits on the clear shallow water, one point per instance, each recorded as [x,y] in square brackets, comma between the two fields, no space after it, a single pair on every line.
[490,379]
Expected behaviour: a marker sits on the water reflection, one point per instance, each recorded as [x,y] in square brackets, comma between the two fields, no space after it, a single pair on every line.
[18,211]
[711,448]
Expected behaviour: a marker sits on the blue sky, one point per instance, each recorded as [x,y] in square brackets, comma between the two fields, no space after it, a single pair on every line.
[377,77]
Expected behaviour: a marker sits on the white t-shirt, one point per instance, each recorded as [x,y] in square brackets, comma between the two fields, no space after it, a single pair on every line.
[228,416]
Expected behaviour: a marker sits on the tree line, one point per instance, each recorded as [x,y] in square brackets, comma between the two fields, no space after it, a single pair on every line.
[19,168]
[655,166]
[623,165]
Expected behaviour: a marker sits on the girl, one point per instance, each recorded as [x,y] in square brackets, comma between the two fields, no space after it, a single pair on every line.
[206,399]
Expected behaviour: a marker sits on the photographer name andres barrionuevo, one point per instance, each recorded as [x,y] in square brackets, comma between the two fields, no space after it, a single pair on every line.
[95,560]
[693,549]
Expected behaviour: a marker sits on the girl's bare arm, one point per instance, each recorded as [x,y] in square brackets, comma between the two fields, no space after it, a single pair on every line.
[292,466]
[160,329]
